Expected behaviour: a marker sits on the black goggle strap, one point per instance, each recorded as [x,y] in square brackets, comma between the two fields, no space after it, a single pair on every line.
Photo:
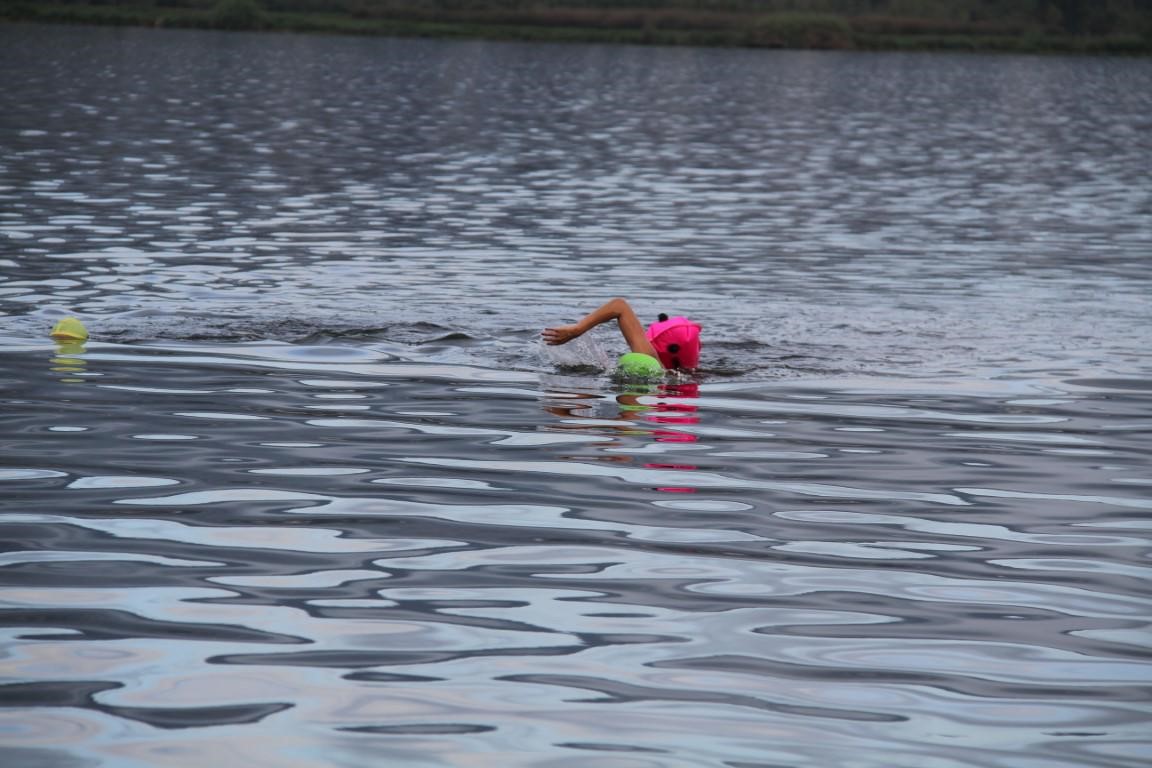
[673,348]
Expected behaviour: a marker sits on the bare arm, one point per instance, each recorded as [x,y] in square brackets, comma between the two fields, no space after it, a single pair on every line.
[617,309]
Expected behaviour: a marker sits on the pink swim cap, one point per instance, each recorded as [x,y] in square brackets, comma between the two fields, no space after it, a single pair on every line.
[677,342]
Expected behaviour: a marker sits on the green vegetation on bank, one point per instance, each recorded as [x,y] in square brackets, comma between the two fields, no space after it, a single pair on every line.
[1093,26]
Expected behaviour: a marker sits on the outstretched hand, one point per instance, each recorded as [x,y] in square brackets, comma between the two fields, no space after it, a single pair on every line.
[561,334]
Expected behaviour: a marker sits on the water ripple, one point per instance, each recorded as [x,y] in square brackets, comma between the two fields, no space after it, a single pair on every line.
[691,479]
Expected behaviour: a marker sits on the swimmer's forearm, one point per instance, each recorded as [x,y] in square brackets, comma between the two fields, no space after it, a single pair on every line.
[611,310]
[617,309]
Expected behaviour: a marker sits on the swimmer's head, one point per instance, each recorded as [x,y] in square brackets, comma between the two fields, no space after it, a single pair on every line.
[677,341]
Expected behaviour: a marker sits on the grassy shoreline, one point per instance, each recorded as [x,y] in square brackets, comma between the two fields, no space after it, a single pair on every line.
[784,30]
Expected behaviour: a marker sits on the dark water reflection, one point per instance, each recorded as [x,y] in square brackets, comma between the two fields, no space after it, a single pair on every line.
[349,558]
[313,494]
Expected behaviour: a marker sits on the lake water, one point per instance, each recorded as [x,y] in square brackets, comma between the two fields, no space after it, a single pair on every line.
[314,493]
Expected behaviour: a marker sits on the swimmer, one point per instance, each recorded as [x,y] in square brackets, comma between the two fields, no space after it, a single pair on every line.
[670,344]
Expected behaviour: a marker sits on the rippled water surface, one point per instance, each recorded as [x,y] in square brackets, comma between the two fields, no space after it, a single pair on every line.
[313,493]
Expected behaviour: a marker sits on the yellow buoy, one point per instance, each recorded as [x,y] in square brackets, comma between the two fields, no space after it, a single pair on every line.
[70,329]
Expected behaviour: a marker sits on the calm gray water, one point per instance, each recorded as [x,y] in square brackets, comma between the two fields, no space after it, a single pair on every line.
[314,494]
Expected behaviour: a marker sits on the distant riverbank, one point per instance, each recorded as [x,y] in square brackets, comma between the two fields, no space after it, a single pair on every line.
[672,24]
